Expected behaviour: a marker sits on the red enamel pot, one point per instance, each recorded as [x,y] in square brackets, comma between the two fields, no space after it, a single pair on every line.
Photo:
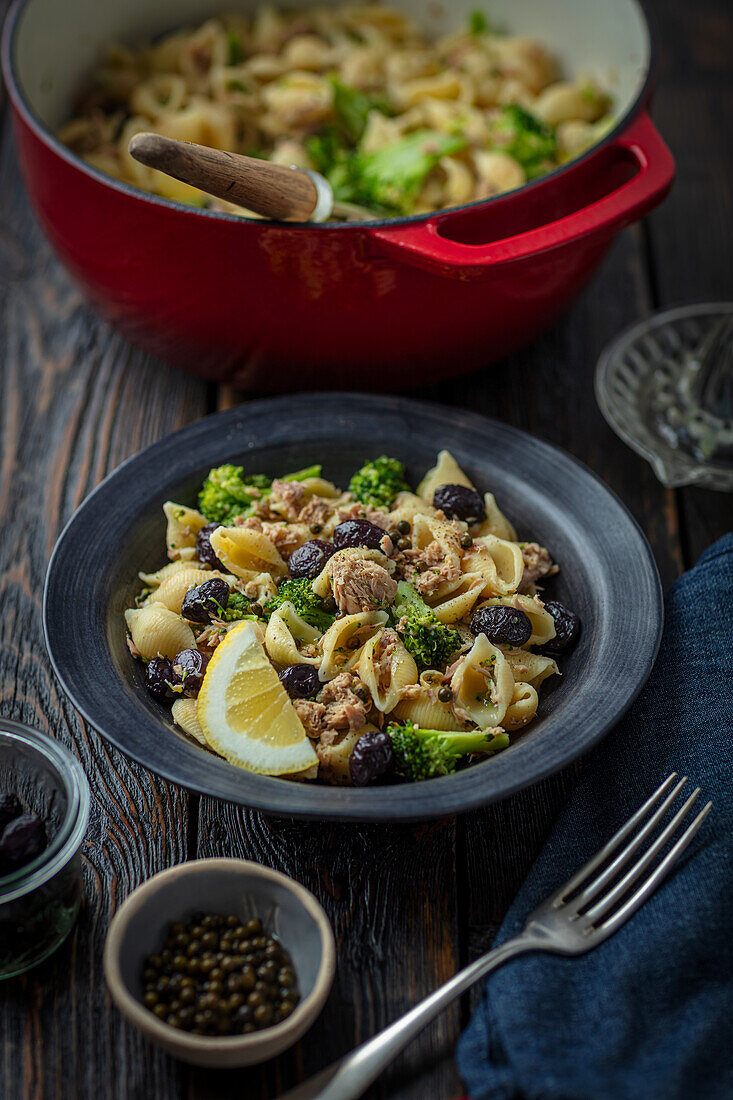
[384,305]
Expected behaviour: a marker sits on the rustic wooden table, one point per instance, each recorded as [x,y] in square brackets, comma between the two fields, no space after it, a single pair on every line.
[409,904]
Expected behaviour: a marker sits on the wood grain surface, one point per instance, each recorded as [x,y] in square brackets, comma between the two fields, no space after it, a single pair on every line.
[408,904]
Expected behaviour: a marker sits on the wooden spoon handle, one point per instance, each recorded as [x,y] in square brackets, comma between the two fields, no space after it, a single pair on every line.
[286,194]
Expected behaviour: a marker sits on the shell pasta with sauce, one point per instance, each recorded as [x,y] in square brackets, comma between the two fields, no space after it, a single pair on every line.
[369,635]
[400,124]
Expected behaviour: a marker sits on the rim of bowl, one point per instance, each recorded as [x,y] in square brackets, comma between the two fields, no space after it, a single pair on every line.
[145,1021]
[44,134]
[69,838]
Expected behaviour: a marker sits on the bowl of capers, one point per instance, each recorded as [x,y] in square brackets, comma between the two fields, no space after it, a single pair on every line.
[221,962]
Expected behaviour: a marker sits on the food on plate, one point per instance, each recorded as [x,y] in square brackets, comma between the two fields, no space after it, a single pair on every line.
[400,124]
[371,635]
[220,975]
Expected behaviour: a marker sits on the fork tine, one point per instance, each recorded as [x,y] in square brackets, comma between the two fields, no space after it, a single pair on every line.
[608,901]
[650,884]
[608,849]
[593,889]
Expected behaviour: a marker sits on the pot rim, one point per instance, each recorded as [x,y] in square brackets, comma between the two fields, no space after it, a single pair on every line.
[45,135]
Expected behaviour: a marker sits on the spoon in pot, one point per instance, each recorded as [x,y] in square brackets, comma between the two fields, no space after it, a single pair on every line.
[271,190]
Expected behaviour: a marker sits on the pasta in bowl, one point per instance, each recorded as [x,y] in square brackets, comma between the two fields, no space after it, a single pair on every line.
[399,122]
[368,635]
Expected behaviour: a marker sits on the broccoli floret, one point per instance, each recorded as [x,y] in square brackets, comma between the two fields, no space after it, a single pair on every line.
[235,48]
[238,607]
[351,109]
[227,493]
[530,141]
[477,22]
[426,754]
[390,178]
[306,603]
[430,642]
[378,482]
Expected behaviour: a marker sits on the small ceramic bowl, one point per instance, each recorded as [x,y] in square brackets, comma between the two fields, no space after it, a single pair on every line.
[287,910]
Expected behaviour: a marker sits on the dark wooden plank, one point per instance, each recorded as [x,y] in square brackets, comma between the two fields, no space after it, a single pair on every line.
[75,401]
[689,236]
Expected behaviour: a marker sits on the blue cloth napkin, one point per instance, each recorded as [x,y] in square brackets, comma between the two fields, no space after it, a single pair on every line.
[647,1015]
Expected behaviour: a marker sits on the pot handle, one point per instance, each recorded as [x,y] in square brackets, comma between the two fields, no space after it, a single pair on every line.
[422,243]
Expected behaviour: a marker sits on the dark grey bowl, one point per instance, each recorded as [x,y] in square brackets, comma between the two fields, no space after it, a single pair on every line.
[607,575]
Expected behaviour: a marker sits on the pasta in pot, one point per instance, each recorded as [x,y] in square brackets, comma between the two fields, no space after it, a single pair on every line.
[399,123]
[441,665]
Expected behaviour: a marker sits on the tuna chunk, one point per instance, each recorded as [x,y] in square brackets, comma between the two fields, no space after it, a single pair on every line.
[344,709]
[537,563]
[360,584]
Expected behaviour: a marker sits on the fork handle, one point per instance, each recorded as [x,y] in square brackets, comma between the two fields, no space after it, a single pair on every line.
[352,1076]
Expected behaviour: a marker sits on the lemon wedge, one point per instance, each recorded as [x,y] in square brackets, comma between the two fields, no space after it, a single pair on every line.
[246,714]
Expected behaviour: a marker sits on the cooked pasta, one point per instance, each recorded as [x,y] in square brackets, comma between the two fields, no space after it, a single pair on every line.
[406,627]
[400,124]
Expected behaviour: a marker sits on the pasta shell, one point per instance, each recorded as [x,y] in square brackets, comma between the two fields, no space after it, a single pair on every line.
[386,668]
[156,631]
[183,525]
[446,471]
[543,624]
[244,551]
[152,580]
[186,715]
[284,630]
[425,709]
[499,562]
[406,506]
[341,643]
[482,684]
[522,708]
[496,522]
[260,587]
[530,668]
[458,603]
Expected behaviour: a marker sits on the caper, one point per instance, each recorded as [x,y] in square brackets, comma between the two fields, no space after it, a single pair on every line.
[160,1010]
[316,528]
[445,694]
[404,544]
[421,566]
[150,999]
[466,542]
[210,940]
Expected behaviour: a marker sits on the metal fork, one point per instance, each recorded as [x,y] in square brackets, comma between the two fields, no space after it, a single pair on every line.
[578,916]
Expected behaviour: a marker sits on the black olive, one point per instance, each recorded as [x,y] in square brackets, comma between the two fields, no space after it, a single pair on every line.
[159,677]
[358,532]
[189,667]
[22,840]
[507,625]
[10,807]
[309,559]
[371,756]
[204,550]
[206,601]
[460,502]
[300,681]
[567,627]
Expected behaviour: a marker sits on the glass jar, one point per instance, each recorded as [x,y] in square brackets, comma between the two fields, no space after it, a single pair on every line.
[39,902]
